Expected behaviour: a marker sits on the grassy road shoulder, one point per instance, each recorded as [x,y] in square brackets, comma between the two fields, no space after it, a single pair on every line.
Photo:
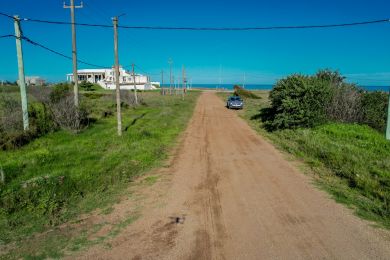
[350,161]
[59,176]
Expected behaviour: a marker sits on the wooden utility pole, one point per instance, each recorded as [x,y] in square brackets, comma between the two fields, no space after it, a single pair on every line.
[74,50]
[162,83]
[162,78]
[184,82]
[220,77]
[170,75]
[21,81]
[118,92]
[135,86]
[388,119]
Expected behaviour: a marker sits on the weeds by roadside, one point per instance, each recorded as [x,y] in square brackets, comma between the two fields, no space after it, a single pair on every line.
[62,175]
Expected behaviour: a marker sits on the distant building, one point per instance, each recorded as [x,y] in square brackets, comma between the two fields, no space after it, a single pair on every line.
[34,81]
[106,79]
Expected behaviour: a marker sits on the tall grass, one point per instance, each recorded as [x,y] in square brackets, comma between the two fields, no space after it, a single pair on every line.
[58,176]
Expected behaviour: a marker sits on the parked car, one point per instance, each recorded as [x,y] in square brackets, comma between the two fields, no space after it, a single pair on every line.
[235,102]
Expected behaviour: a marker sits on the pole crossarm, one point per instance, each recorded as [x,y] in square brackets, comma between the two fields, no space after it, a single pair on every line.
[73,6]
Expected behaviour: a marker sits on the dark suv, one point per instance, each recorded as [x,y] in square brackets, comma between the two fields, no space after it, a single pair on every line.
[235,102]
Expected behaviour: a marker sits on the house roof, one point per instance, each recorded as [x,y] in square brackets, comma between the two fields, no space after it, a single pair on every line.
[92,70]
[101,71]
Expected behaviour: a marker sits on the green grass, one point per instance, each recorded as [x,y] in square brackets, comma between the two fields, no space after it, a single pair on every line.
[58,176]
[350,161]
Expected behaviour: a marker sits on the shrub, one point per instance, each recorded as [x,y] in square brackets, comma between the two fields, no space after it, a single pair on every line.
[298,101]
[59,92]
[128,98]
[53,108]
[67,116]
[94,95]
[40,123]
[40,117]
[64,112]
[14,139]
[374,109]
[239,91]
[86,85]
[307,101]
[345,104]
[10,113]
[40,93]
[332,77]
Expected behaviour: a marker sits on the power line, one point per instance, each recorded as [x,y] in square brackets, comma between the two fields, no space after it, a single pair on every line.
[64,55]
[6,36]
[7,15]
[58,53]
[359,23]
[141,69]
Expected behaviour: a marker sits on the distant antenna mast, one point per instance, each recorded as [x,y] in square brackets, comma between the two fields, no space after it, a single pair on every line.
[220,77]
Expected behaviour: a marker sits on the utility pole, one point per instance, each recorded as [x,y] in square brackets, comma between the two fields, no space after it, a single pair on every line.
[170,75]
[388,119]
[118,92]
[220,79]
[21,81]
[135,87]
[74,50]
[244,80]
[162,83]
[162,78]
[184,81]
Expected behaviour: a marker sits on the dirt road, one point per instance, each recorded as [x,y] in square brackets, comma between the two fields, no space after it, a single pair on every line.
[231,195]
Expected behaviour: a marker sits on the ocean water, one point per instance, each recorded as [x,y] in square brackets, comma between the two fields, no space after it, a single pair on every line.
[269,87]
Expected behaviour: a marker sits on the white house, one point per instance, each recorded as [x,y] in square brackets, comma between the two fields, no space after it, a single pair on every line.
[106,78]
[34,80]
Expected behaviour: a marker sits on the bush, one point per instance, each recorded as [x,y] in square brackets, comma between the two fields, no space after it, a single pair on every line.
[128,98]
[53,108]
[41,121]
[374,109]
[239,91]
[345,104]
[307,101]
[59,92]
[67,116]
[332,77]
[10,113]
[298,101]
[15,139]
[64,112]
[86,85]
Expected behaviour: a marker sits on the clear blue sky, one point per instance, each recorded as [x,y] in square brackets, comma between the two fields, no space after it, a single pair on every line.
[362,53]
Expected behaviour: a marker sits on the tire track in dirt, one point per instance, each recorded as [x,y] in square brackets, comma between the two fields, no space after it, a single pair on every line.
[236,197]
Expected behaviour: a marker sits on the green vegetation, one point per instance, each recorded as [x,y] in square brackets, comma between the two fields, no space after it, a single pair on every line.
[239,91]
[308,101]
[88,86]
[63,173]
[350,161]
[49,109]
[357,160]
[374,107]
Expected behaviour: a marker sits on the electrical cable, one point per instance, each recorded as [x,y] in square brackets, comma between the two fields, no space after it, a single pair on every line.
[211,28]
[59,53]
[6,36]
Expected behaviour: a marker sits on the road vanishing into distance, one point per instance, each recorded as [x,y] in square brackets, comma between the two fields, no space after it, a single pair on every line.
[229,194]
